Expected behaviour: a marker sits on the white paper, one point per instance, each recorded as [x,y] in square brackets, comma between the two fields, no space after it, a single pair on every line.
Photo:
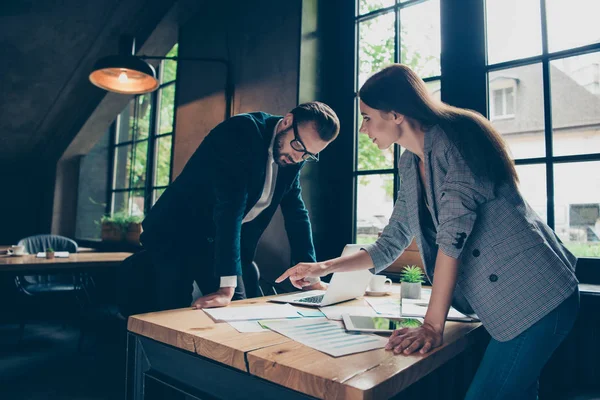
[335,312]
[249,313]
[326,336]
[248,326]
[57,254]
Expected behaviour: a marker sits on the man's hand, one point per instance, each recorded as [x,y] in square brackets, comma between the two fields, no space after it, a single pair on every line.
[319,285]
[221,298]
[304,270]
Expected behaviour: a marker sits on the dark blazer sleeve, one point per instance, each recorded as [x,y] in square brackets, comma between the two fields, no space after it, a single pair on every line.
[461,193]
[231,150]
[297,224]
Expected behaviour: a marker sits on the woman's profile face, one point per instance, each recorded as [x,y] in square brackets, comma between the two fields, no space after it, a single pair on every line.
[381,127]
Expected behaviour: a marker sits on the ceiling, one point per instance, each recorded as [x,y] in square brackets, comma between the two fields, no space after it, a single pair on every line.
[47,50]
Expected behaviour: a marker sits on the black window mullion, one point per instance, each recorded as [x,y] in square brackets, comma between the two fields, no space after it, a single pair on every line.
[547,119]
[150,178]
[110,182]
[397,59]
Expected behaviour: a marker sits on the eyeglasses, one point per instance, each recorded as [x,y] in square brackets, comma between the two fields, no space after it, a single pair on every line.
[297,145]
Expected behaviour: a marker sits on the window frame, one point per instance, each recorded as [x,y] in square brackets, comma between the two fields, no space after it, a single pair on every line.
[150,187]
[478,72]
[545,58]
[357,173]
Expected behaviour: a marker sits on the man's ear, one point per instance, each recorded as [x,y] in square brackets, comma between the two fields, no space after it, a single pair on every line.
[287,120]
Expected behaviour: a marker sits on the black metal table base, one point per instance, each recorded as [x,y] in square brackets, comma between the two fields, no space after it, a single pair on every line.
[151,363]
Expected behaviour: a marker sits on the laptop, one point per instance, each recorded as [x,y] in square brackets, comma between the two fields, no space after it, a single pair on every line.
[343,286]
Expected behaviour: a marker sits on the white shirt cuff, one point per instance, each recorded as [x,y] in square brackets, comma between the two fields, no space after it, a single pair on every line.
[312,280]
[229,281]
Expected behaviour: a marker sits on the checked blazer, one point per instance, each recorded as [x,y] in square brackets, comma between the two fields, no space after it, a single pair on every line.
[513,269]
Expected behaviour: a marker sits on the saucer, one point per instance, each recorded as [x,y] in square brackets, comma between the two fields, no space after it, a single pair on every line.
[370,293]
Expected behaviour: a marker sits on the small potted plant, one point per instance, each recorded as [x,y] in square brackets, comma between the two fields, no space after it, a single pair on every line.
[50,253]
[121,227]
[411,278]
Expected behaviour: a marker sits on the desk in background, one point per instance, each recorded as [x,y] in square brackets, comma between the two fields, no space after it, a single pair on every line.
[30,264]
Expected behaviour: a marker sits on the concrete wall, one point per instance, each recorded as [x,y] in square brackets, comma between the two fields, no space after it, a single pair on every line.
[93,180]
[261,41]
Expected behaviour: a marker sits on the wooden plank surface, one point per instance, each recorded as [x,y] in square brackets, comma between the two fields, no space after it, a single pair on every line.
[372,374]
[195,331]
[30,262]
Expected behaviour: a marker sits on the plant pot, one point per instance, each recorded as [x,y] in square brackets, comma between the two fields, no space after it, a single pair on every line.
[411,290]
[134,230]
[111,232]
[49,255]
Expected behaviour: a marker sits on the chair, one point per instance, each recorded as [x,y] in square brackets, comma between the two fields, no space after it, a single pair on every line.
[46,284]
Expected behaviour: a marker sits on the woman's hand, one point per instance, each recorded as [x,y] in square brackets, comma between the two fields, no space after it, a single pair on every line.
[409,340]
[299,272]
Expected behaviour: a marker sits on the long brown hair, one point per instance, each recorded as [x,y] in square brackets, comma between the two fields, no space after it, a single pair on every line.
[397,88]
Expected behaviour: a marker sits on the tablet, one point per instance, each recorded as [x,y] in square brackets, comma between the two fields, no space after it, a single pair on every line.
[360,323]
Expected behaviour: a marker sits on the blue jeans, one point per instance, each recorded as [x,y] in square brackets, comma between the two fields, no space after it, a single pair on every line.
[510,370]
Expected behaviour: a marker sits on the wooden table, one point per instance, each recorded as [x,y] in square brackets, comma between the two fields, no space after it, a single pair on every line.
[185,349]
[30,264]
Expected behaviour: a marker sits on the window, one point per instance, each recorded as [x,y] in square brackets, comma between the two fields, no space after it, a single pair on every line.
[503,102]
[544,98]
[389,31]
[142,146]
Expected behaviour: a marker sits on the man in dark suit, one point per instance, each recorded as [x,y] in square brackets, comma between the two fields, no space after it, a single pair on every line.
[206,225]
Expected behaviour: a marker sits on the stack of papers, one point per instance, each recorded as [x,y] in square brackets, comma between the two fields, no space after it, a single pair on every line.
[326,336]
[252,312]
[57,254]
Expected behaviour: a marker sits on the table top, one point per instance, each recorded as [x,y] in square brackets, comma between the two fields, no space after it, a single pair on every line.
[29,262]
[268,355]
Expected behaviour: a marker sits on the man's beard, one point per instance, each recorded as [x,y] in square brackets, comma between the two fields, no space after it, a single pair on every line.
[277,150]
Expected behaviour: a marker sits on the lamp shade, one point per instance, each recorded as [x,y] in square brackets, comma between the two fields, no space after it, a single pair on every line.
[125,74]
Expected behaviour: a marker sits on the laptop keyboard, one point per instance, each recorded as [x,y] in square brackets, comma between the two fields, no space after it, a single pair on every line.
[313,299]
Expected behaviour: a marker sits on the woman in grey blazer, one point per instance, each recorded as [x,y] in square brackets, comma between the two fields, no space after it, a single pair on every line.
[483,247]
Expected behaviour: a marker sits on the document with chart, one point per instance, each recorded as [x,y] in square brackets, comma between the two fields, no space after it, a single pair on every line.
[326,336]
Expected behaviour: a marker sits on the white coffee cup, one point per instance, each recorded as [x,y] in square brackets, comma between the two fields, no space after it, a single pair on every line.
[379,283]
[16,250]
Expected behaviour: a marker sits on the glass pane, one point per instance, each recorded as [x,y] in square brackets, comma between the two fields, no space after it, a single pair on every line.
[577,201]
[169,67]
[435,89]
[533,187]
[124,124]
[139,164]
[572,23]
[120,202]
[513,29]
[366,6]
[375,45]
[374,206]
[137,203]
[521,122]
[167,109]
[122,167]
[575,87]
[162,171]
[420,45]
[157,194]
[144,111]
[369,155]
